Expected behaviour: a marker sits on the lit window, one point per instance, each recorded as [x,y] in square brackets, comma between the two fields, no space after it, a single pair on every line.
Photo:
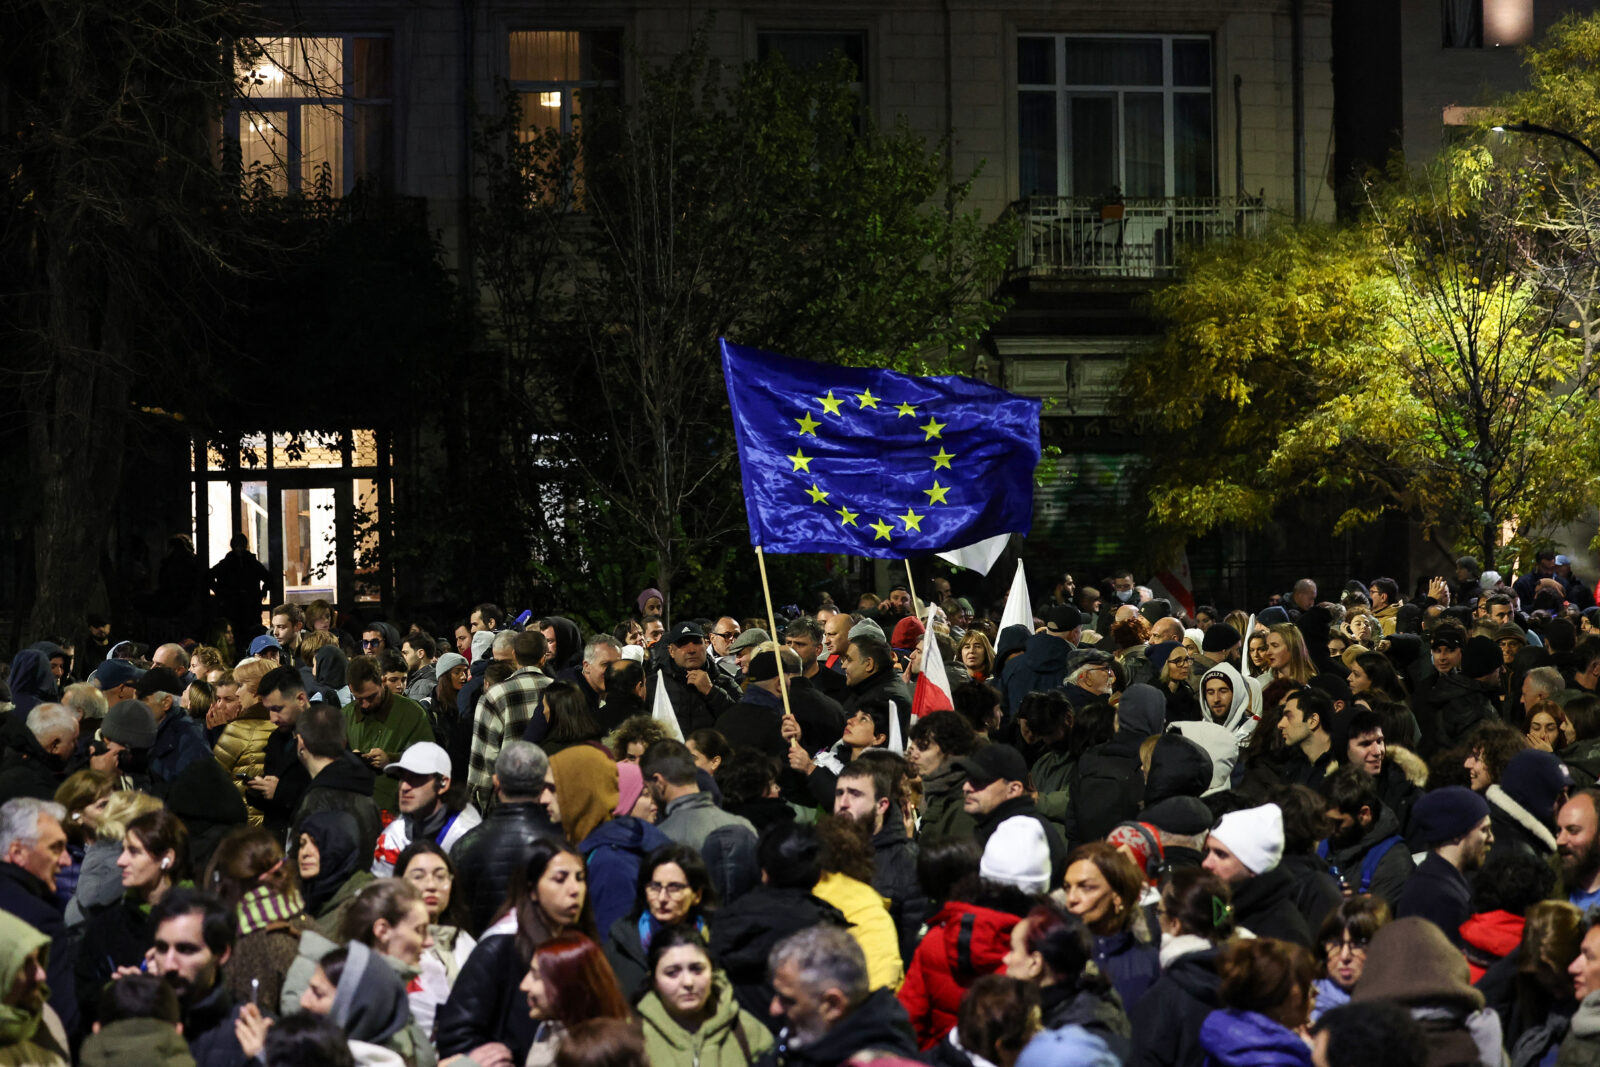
[317,112]
[558,75]
[1115,116]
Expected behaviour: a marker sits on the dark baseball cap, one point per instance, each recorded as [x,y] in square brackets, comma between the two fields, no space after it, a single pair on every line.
[115,672]
[686,631]
[992,763]
[1061,619]
[1448,636]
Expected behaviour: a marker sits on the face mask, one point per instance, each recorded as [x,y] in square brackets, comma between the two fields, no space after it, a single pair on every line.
[1124,595]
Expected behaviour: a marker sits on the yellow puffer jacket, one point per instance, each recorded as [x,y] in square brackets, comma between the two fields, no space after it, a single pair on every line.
[242,749]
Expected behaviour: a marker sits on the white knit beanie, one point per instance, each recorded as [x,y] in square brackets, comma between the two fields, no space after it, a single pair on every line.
[1018,854]
[1254,836]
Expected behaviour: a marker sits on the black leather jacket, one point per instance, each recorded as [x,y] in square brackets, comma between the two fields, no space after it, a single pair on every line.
[488,854]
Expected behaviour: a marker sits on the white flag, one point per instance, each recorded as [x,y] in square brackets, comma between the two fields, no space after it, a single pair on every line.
[980,555]
[933,662]
[1018,610]
[897,744]
[661,710]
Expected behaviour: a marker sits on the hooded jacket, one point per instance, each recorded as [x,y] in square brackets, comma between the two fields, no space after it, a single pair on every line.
[180,743]
[1454,705]
[870,925]
[1099,1011]
[1389,878]
[877,1024]
[1411,961]
[209,805]
[1248,1039]
[1179,767]
[1220,744]
[1166,1022]
[33,1038]
[1039,668]
[32,682]
[1107,784]
[746,930]
[340,852]
[345,785]
[964,942]
[27,899]
[1244,713]
[143,1041]
[1489,937]
[1265,906]
[370,1005]
[729,1036]
[613,854]
[943,815]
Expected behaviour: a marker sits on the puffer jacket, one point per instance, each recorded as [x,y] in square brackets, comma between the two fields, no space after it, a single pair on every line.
[729,1037]
[242,751]
[1247,1039]
[491,850]
[964,942]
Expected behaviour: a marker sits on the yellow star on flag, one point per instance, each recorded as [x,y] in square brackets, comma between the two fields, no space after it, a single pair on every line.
[932,429]
[942,459]
[912,520]
[847,517]
[817,495]
[800,461]
[866,399]
[883,530]
[808,425]
[936,495]
[830,406]
[906,409]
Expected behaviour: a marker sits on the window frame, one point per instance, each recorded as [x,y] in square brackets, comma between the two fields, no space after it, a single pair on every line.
[1064,92]
[346,101]
[567,88]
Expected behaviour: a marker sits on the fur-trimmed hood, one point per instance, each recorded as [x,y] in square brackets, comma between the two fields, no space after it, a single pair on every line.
[1414,766]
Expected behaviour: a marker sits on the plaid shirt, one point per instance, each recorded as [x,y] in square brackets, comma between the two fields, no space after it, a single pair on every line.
[502,713]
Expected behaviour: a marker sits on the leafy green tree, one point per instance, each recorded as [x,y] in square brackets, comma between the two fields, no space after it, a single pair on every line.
[758,204]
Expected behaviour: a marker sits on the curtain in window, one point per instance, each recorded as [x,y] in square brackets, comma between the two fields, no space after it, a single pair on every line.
[1463,23]
[1145,144]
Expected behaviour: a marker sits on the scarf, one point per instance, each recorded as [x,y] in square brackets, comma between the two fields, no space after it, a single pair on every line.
[649,927]
[264,906]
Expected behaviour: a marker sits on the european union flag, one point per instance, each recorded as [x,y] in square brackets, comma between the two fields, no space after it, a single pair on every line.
[876,463]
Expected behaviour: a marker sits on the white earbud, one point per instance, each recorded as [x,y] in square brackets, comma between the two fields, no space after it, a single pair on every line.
[166,861]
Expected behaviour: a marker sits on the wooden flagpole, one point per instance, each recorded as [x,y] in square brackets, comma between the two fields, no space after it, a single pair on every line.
[911,587]
[772,621]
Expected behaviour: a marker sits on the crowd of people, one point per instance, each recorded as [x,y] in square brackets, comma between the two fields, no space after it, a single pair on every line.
[1352,831]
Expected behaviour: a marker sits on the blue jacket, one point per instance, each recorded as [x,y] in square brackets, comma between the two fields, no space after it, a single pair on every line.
[1131,965]
[179,742]
[1040,667]
[613,853]
[1068,1044]
[1247,1039]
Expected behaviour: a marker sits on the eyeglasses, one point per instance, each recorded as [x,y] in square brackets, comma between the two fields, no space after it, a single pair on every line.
[368,643]
[1356,947]
[725,636]
[669,889]
[1179,661]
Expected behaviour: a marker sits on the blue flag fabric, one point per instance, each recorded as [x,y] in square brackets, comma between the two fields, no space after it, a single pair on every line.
[876,463]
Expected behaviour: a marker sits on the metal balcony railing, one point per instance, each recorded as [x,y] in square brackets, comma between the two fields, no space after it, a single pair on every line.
[1090,237]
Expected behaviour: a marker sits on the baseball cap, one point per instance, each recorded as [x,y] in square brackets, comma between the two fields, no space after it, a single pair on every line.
[1063,618]
[1448,636]
[992,763]
[686,631]
[115,672]
[424,757]
[264,641]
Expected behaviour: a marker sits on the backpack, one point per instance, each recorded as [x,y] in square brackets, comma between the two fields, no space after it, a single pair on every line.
[1369,862]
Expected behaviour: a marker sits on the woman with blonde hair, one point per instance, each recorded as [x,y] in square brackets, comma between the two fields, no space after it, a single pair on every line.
[1287,655]
[85,795]
[99,880]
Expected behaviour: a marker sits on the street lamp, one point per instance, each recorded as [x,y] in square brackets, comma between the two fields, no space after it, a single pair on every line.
[1533,127]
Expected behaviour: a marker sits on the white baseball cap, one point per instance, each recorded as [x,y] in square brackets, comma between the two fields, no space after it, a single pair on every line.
[424,757]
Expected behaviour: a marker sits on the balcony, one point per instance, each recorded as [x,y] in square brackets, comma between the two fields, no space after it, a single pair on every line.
[1088,237]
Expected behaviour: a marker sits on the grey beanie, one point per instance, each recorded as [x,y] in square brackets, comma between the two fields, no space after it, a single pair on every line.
[130,723]
[868,628]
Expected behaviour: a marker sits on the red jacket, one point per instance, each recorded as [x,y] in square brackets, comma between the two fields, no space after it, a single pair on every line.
[964,942]
[1490,936]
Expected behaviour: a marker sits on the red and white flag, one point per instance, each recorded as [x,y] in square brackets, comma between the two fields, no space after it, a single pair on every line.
[1176,584]
[933,684]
